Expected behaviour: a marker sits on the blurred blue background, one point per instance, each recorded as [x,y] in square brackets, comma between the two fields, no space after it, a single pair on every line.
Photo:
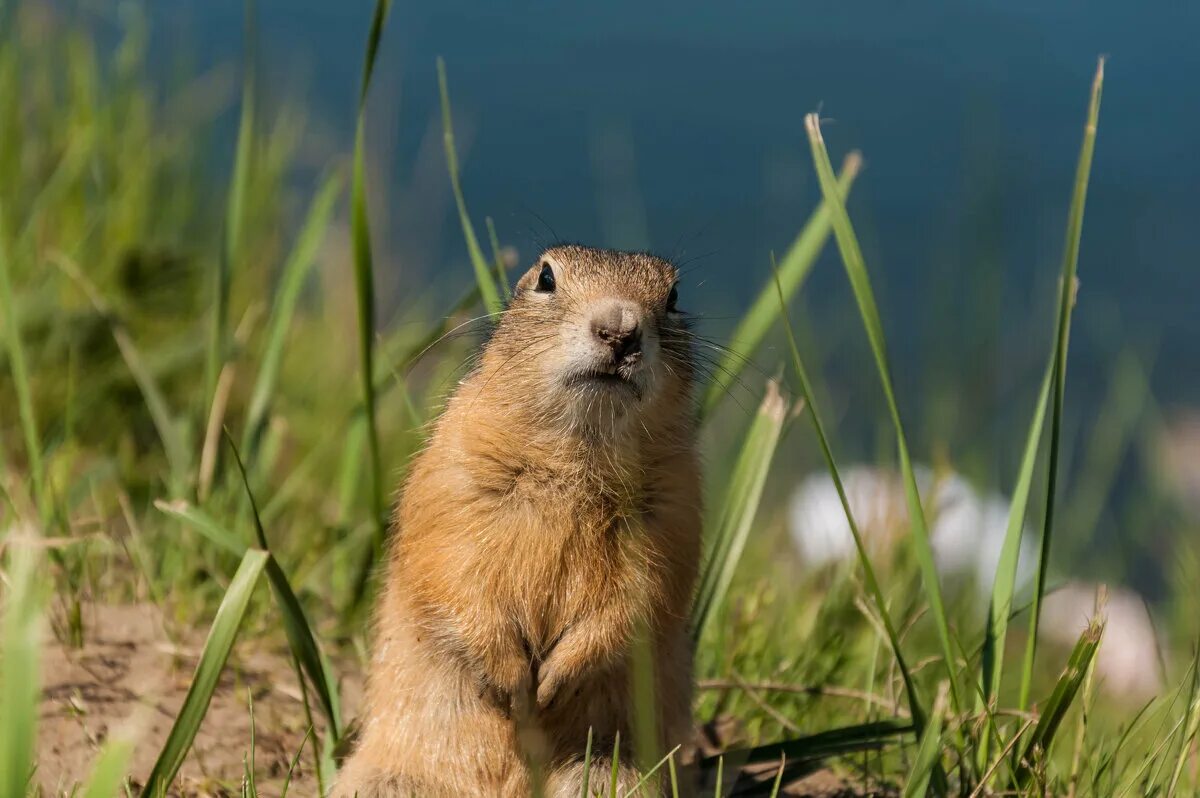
[679,127]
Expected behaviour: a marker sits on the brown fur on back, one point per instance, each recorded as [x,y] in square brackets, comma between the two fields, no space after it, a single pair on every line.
[540,530]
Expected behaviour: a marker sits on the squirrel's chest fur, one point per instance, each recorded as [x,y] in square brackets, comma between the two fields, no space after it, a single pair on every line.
[549,541]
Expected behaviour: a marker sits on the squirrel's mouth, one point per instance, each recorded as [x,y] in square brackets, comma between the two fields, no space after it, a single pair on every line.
[618,379]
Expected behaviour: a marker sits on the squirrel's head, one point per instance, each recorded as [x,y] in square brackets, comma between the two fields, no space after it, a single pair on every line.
[595,335]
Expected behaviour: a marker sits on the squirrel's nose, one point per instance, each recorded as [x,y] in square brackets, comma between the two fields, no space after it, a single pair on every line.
[617,328]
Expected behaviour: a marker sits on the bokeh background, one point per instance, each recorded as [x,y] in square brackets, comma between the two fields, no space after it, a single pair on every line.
[678,127]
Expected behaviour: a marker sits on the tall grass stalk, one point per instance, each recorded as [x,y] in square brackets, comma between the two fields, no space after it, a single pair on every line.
[864,296]
[1066,304]
[295,272]
[483,273]
[797,262]
[208,670]
[364,284]
[20,376]
[730,526]
[235,211]
[20,677]
[915,704]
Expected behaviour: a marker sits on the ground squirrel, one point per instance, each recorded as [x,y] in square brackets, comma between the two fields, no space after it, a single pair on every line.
[555,510]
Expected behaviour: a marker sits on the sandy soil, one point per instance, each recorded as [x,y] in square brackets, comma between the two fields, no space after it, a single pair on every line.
[129,678]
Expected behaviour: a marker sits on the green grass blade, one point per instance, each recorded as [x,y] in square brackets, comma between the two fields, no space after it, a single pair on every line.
[212,660]
[364,279]
[170,432]
[1066,304]
[1004,585]
[739,506]
[108,772]
[929,752]
[20,682]
[651,774]
[20,379]
[235,213]
[1061,698]
[856,270]
[295,622]
[817,747]
[916,706]
[616,765]
[483,274]
[797,262]
[498,257]
[1191,726]
[203,523]
[295,272]
[587,766]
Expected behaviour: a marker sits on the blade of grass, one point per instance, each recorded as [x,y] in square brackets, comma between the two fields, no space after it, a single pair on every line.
[616,765]
[295,272]
[650,774]
[1066,303]
[295,622]
[287,780]
[739,506]
[364,282]
[19,673]
[587,766]
[498,257]
[296,625]
[1004,584]
[203,523]
[108,772]
[212,661]
[1061,697]
[915,705]
[797,262]
[218,347]
[856,271]
[811,748]
[20,379]
[170,432]
[483,274]
[929,751]
[1192,725]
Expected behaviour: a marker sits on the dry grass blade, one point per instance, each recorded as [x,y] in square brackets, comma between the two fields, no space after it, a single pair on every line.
[739,506]
[212,660]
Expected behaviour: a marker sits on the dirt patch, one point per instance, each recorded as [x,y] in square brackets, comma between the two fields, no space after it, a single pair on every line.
[128,675]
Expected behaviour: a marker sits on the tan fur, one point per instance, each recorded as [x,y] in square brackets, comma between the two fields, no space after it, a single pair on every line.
[543,526]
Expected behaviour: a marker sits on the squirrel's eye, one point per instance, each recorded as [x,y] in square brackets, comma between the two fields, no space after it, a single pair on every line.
[546,279]
[673,298]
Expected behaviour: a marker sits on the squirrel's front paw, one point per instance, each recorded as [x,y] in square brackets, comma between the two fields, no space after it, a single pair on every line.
[554,679]
[508,685]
